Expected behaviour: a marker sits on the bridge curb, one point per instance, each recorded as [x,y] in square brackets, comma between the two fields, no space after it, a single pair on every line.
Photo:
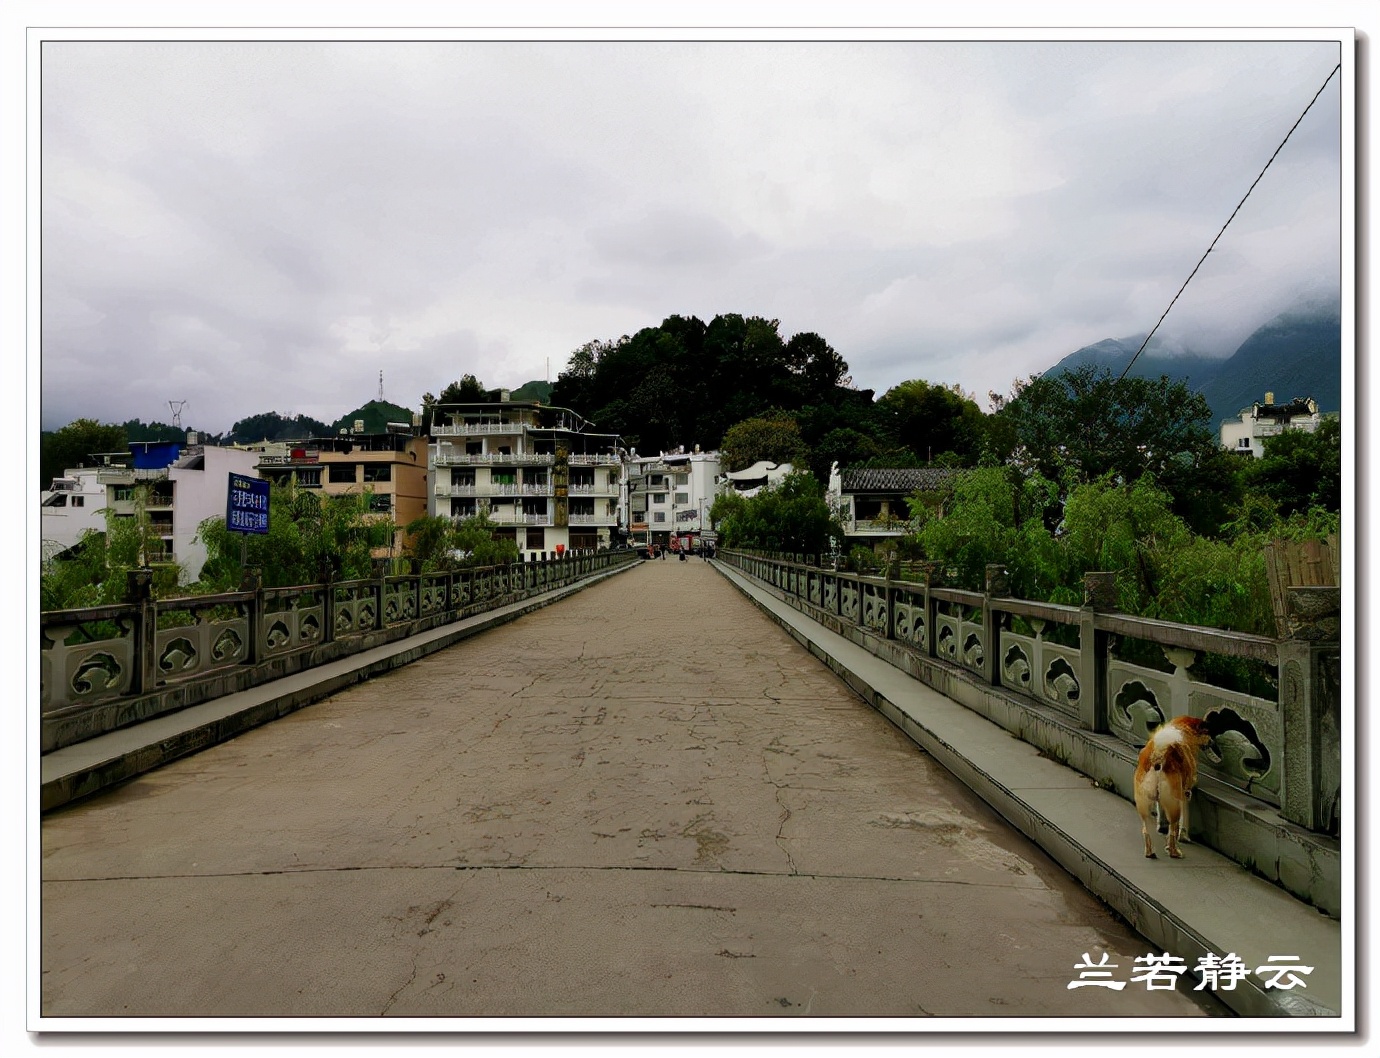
[1089,831]
[85,768]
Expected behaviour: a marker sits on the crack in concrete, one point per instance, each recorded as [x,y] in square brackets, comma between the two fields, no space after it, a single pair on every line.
[601,868]
[394,997]
[790,860]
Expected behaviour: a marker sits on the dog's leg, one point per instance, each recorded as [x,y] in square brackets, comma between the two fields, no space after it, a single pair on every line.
[1160,824]
[1146,825]
[1183,818]
[1173,806]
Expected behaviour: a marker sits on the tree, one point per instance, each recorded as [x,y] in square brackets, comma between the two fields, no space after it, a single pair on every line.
[1127,529]
[271,426]
[988,515]
[468,390]
[431,541]
[1300,470]
[791,516]
[474,538]
[95,573]
[683,382]
[774,437]
[930,420]
[77,444]
[1081,425]
[846,447]
[307,534]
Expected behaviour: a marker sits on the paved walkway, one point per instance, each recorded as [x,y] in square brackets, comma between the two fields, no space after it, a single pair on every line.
[644,800]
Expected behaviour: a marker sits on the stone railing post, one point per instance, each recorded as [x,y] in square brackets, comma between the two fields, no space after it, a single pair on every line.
[1310,704]
[381,580]
[1099,595]
[929,573]
[327,602]
[139,592]
[252,579]
[997,586]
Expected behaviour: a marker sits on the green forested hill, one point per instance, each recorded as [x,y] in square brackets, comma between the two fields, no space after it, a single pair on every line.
[1293,355]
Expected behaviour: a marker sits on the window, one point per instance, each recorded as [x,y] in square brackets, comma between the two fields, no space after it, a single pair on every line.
[682,498]
[536,539]
[380,502]
[462,508]
[474,448]
[378,471]
[462,476]
[503,477]
[658,497]
[585,541]
[309,479]
[657,481]
[658,516]
[124,493]
[1244,442]
[341,473]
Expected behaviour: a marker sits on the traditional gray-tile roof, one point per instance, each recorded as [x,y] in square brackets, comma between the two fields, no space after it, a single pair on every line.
[903,480]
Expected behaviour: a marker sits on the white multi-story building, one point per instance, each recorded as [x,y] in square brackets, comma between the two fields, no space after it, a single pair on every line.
[669,496]
[200,482]
[1247,434]
[189,487]
[543,476]
[74,505]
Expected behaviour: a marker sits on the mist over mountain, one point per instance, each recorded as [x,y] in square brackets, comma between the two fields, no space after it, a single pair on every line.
[1296,354]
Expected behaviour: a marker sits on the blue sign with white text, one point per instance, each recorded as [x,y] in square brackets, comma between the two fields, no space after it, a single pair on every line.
[246,505]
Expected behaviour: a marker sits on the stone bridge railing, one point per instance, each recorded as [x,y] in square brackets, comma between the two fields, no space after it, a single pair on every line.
[1281,745]
[105,667]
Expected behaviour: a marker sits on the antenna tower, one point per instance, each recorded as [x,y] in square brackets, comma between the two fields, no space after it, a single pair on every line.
[380,387]
[177,406]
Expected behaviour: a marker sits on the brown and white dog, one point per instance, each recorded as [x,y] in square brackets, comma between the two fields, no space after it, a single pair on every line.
[1165,776]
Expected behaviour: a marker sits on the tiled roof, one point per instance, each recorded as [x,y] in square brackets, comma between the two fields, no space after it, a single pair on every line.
[893,479]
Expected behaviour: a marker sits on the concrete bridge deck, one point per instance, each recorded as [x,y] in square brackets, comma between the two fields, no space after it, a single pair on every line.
[647,800]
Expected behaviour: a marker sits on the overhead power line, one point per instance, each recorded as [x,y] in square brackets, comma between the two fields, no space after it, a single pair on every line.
[1230,219]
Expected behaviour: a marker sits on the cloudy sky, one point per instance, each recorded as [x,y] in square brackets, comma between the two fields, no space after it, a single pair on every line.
[265,226]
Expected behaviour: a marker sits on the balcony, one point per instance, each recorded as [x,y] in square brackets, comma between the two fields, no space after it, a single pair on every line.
[128,475]
[600,459]
[477,428]
[878,527]
[503,517]
[464,459]
[592,519]
[492,489]
[594,490]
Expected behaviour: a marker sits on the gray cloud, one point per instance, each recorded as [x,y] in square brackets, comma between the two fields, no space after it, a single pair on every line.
[250,226]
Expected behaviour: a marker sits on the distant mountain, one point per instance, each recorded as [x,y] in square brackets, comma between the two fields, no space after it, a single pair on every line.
[1291,356]
[536,390]
[1115,353]
[1294,355]
[376,415]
